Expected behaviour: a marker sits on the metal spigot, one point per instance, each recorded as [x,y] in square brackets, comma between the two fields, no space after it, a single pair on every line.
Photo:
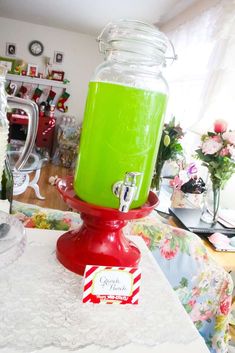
[126,191]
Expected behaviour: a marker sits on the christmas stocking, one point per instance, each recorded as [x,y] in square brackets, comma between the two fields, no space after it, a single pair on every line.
[50,97]
[60,105]
[11,89]
[36,95]
[22,92]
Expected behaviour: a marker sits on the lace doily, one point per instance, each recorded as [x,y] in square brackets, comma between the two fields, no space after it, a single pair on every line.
[40,305]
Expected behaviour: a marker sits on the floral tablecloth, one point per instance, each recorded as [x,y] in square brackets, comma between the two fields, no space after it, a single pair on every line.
[203,287]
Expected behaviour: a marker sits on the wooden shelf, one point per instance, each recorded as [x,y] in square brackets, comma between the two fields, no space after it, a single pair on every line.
[36,81]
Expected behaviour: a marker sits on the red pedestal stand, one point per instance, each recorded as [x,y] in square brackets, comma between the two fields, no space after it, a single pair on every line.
[100,240]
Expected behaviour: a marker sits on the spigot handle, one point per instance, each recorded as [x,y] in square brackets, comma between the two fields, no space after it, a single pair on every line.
[126,190]
[130,178]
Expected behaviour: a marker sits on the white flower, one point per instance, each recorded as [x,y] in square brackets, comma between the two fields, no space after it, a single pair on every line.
[231,150]
[229,136]
[211,146]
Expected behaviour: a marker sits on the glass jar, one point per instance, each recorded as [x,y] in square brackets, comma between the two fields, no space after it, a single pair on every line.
[124,114]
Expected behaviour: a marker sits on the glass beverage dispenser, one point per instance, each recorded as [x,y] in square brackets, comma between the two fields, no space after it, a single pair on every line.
[124,115]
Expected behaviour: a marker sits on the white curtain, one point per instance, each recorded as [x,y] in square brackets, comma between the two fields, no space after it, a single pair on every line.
[202,80]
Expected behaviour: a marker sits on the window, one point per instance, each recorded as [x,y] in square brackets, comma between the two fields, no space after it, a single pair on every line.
[202,79]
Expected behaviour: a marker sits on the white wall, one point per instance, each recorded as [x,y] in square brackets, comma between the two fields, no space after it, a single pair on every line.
[81,55]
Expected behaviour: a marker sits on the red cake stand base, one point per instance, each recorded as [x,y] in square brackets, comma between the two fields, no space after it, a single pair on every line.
[99,240]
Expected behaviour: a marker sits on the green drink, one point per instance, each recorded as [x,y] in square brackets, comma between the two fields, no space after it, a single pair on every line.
[121,133]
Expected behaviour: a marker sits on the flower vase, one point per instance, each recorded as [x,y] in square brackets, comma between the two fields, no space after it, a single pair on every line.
[216,204]
[156,181]
[211,216]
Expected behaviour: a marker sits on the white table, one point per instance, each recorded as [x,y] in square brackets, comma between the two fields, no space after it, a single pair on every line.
[162,325]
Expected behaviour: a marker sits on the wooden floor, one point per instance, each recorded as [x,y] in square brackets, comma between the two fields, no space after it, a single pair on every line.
[53,199]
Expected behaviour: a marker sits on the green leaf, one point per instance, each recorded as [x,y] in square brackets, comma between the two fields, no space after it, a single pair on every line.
[188,308]
[184,282]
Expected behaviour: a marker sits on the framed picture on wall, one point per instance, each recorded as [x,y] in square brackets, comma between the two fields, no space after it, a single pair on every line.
[32,70]
[58,57]
[9,63]
[10,49]
[57,75]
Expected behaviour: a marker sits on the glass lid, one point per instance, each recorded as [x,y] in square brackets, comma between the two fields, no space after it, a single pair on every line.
[134,33]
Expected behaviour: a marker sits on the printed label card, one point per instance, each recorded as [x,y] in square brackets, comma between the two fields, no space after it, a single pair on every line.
[105,284]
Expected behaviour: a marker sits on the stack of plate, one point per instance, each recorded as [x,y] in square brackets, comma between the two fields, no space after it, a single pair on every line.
[12,239]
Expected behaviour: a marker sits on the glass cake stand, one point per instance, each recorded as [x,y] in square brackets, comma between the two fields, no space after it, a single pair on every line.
[21,177]
[12,239]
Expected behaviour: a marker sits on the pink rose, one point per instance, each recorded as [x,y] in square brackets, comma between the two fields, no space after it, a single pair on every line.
[229,136]
[220,126]
[211,146]
[166,251]
[224,152]
[225,305]
[192,302]
[217,138]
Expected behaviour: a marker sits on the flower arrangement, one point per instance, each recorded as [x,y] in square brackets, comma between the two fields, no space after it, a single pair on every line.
[169,148]
[217,152]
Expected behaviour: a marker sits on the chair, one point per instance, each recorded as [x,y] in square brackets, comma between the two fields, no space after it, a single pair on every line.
[203,287]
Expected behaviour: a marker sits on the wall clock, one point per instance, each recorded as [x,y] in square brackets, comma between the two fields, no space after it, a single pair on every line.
[36,48]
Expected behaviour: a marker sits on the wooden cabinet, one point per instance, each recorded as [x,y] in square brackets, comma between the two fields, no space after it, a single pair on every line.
[45,134]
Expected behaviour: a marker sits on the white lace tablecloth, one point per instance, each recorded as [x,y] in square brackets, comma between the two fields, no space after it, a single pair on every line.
[41,309]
